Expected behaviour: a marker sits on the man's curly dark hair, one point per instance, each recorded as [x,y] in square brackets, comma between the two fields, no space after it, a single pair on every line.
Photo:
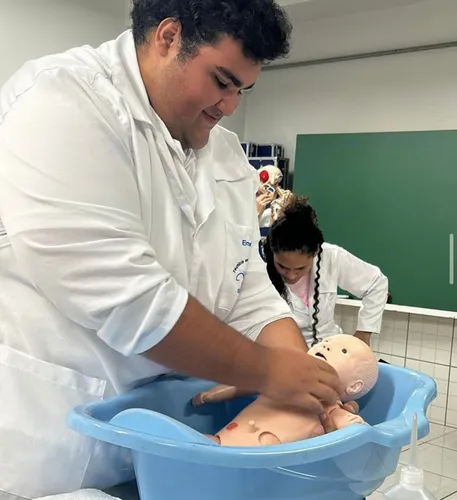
[261,26]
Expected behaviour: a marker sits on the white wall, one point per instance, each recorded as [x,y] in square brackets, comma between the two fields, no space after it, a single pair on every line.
[412,22]
[406,92]
[410,92]
[237,122]
[33,28]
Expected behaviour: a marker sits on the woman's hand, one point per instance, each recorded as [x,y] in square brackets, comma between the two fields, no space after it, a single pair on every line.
[364,336]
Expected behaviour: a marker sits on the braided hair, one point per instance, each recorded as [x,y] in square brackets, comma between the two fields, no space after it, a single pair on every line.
[295,230]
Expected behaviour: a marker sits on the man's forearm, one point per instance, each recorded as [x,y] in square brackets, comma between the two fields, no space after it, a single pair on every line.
[282,333]
[202,346]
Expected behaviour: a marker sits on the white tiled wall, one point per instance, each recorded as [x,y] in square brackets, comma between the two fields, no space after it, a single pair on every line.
[423,343]
[437,410]
[452,399]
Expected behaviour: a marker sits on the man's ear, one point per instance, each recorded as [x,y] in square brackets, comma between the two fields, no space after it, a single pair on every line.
[355,388]
[167,36]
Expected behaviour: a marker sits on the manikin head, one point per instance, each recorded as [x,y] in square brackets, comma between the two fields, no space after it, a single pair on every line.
[197,58]
[353,360]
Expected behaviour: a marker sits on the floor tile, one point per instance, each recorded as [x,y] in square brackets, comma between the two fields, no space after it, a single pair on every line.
[436,431]
[375,496]
[440,486]
[448,441]
[436,414]
[436,460]
[451,418]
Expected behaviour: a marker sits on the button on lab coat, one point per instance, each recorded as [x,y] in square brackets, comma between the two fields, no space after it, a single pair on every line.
[341,269]
[109,225]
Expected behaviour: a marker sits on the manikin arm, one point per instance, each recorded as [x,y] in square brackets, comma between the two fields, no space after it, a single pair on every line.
[342,418]
[218,394]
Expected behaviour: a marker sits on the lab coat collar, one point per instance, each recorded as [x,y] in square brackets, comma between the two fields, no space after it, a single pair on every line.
[127,77]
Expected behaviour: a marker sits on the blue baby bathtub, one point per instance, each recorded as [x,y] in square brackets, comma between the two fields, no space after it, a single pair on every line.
[173,460]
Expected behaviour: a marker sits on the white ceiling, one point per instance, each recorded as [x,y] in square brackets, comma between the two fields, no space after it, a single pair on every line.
[113,8]
[332,28]
[298,10]
[310,10]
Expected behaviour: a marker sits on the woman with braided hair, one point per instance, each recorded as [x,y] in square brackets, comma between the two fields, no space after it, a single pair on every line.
[307,272]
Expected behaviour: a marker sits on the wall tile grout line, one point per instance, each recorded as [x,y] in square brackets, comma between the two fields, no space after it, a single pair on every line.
[415,359]
[450,373]
[449,496]
[407,336]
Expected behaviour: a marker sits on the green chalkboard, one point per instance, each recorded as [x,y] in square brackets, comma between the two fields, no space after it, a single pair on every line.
[391,199]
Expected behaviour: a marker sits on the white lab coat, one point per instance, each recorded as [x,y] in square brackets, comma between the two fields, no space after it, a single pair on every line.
[110,225]
[341,269]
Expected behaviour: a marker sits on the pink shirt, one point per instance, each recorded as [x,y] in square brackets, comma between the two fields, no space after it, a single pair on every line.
[301,289]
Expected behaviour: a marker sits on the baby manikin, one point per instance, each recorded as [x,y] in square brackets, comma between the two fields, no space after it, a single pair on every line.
[265,422]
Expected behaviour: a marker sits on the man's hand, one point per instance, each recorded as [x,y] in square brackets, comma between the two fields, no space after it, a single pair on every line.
[364,336]
[204,347]
[298,379]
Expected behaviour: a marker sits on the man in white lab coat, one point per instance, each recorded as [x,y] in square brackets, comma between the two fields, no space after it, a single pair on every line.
[130,235]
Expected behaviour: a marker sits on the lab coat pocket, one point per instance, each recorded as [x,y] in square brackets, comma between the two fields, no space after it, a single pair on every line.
[238,245]
[39,454]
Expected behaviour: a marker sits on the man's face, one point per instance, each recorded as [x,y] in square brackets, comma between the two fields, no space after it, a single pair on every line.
[192,95]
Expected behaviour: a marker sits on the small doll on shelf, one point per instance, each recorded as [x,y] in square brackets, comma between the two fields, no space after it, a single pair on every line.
[270,196]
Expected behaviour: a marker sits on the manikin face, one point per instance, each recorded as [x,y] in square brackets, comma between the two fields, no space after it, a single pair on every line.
[292,266]
[353,361]
[192,96]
